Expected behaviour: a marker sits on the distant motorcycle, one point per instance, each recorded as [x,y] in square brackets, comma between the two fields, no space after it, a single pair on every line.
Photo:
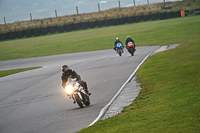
[131,48]
[77,92]
[119,49]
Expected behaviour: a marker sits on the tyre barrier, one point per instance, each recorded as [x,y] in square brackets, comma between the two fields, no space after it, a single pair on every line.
[3,36]
[197,11]
[28,33]
[169,15]
[138,18]
[92,24]
[37,32]
[115,21]
[162,15]
[176,14]
[76,26]
[44,30]
[52,29]
[187,12]
[61,29]
[122,20]
[131,19]
[11,35]
[108,22]
[69,27]
[146,17]
[19,34]
[100,23]
[85,25]
[154,16]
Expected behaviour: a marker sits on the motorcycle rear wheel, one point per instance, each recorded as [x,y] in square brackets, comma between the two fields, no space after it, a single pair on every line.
[131,51]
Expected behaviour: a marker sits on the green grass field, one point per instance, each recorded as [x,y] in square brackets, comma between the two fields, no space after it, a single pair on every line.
[169,99]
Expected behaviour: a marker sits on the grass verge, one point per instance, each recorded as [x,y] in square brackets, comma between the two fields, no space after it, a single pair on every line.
[13,71]
[169,99]
[160,32]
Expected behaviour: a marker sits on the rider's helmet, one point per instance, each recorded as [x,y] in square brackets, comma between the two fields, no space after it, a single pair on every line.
[64,68]
[128,37]
[117,39]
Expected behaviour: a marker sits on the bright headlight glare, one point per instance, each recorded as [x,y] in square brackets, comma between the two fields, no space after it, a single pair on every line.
[69,89]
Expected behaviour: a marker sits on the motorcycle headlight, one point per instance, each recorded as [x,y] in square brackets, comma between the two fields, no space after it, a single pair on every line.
[69,89]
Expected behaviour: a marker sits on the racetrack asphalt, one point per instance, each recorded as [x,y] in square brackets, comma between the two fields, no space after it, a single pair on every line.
[34,101]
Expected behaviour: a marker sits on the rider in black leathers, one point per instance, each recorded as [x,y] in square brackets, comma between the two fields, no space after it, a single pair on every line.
[117,41]
[67,72]
[129,40]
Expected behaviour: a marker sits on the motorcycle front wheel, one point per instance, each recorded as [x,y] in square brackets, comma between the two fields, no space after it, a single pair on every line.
[78,100]
[120,52]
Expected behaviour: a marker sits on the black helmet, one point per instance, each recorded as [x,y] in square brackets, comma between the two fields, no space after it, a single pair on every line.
[65,68]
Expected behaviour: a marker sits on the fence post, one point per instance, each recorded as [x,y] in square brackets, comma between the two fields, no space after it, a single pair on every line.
[164,1]
[99,7]
[30,16]
[148,2]
[134,2]
[5,20]
[119,3]
[77,10]
[56,13]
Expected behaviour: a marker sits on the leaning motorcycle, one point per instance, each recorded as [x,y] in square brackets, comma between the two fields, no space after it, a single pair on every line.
[131,48]
[119,49]
[77,92]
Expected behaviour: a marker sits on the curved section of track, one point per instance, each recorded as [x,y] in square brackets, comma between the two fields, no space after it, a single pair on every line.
[34,101]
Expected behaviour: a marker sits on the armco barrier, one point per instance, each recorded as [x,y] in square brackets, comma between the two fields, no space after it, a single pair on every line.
[44,30]
[100,23]
[28,33]
[131,19]
[76,26]
[37,32]
[138,18]
[162,15]
[11,35]
[19,34]
[84,25]
[146,17]
[69,27]
[61,29]
[3,36]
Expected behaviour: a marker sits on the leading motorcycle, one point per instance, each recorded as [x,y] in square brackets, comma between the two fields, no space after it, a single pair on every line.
[75,91]
[119,48]
[131,48]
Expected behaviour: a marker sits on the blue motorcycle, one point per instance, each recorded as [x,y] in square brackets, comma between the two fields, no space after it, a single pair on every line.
[119,49]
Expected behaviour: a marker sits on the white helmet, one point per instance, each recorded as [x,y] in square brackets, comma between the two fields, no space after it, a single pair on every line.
[128,37]
[117,38]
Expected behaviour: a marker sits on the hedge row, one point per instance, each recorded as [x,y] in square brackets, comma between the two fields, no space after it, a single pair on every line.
[86,25]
